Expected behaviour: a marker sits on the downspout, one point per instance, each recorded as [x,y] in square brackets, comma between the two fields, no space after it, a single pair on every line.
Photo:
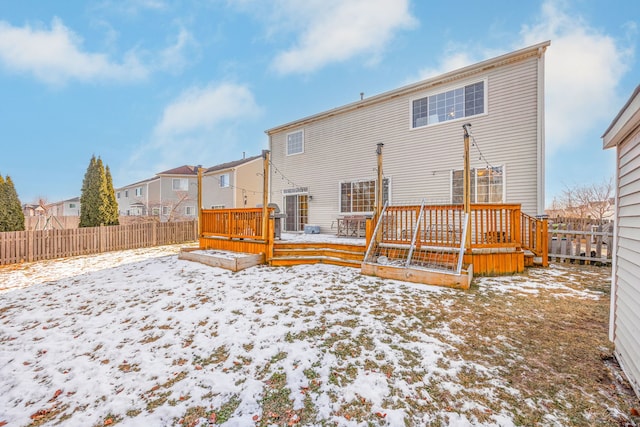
[540,142]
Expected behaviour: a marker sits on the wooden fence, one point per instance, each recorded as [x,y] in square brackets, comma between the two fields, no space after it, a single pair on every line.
[592,245]
[21,246]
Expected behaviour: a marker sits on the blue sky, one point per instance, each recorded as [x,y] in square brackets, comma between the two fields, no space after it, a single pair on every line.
[149,85]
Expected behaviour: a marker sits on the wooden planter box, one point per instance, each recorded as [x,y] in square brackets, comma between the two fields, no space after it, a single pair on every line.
[227,260]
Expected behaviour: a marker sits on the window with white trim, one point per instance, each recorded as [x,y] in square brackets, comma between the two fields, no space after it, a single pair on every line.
[360,196]
[453,104]
[180,184]
[487,185]
[190,210]
[155,211]
[295,142]
[138,191]
[224,180]
[165,210]
[126,193]
[217,207]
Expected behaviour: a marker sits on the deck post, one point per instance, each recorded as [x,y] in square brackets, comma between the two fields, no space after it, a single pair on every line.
[467,185]
[265,195]
[199,202]
[379,181]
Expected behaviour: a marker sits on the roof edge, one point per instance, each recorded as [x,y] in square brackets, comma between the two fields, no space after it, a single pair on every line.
[422,84]
[614,122]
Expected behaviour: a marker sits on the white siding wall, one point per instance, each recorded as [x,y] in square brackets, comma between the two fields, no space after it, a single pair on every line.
[418,161]
[627,274]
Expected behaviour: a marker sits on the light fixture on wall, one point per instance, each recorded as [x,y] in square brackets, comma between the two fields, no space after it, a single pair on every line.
[310,197]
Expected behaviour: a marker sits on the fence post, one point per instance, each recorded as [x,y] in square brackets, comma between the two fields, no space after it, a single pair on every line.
[154,234]
[30,244]
[101,238]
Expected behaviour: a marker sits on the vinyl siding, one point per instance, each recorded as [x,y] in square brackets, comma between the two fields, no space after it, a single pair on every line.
[342,147]
[247,179]
[214,195]
[627,295]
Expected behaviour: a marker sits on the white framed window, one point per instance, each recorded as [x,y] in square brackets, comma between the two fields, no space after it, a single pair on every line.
[126,194]
[224,180]
[360,195]
[487,185]
[190,210]
[180,184]
[295,142]
[452,104]
[217,207]
[138,191]
[155,211]
[72,205]
[118,195]
[165,210]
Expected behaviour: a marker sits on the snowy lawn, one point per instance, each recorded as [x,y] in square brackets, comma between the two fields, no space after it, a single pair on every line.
[140,338]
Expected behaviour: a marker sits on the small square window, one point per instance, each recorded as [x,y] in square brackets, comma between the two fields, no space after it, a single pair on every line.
[295,142]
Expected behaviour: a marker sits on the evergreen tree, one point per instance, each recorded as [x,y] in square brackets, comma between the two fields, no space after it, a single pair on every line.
[96,199]
[113,213]
[4,206]
[88,197]
[11,215]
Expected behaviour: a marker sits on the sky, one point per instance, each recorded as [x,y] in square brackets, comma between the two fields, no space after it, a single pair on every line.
[149,85]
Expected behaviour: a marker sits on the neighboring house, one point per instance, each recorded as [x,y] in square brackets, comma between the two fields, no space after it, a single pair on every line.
[236,184]
[69,207]
[324,166]
[624,327]
[136,199]
[29,209]
[170,195]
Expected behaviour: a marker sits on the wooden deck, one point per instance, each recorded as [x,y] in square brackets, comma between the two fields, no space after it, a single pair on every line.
[500,237]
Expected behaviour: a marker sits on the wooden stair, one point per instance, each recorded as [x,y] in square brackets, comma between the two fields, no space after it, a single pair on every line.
[288,254]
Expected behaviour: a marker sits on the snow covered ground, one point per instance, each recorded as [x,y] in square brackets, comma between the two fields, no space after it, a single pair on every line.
[140,338]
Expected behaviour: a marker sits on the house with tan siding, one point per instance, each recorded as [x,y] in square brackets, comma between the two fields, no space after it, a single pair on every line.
[235,184]
[324,166]
[624,327]
[170,195]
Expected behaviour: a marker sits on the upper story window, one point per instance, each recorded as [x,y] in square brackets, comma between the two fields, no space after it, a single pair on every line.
[118,194]
[453,104]
[487,185]
[360,196]
[295,142]
[72,205]
[180,184]
[138,191]
[224,180]
[126,194]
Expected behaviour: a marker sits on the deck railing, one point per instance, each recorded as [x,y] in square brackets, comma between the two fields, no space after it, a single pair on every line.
[495,225]
[535,236]
[441,225]
[245,223]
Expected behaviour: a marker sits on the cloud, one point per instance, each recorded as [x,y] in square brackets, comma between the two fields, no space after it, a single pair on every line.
[174,58]
[330,31]
[55,56]
[200,125]
[202,109]
[583,68]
